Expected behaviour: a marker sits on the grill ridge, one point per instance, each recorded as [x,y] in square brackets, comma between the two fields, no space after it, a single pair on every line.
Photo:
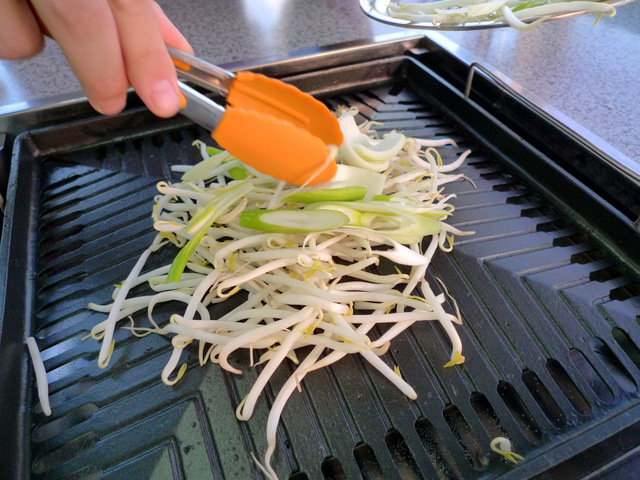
[534,378]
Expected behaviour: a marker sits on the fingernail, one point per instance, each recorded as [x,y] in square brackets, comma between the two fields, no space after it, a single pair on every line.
[110,106]
[165,99]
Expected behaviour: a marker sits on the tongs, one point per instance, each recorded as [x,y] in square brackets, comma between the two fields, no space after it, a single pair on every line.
[267,124]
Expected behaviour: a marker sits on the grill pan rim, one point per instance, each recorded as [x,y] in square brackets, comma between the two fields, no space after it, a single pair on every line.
[21,459]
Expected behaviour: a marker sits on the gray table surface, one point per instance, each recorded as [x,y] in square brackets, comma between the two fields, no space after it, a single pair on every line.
[589,73]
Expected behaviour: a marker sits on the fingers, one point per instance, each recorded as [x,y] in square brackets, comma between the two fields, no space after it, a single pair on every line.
[148,65]
[114,44]
[88,36]
[20,35]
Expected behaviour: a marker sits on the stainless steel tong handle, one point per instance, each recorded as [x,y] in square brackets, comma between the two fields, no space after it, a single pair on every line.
[201,73]
[200,109]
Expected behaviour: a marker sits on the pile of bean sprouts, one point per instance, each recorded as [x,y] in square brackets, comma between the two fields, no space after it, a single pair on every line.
[519,14]
[312,295]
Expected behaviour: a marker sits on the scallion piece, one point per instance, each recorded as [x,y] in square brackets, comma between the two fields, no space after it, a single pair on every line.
[343,194]
[293,221]
[210,213]
[201,171]
[398,224]
[237,173]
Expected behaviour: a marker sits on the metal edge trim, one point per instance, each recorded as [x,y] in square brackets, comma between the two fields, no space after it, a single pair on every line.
[623,163]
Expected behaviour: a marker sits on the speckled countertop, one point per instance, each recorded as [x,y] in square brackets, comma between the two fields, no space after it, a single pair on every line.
[589,74]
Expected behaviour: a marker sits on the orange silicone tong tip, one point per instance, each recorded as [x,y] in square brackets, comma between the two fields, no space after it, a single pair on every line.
[272,97]
[275,147]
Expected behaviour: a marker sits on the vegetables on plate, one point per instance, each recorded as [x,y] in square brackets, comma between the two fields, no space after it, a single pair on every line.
[306,262]
[520,14]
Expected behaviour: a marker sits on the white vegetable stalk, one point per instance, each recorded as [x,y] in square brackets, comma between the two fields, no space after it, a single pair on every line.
[41,375]
[107,340]
[303,255]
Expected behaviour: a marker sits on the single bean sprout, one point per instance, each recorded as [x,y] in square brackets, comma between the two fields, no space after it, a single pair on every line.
[41,375]
[502,446]
[304,258]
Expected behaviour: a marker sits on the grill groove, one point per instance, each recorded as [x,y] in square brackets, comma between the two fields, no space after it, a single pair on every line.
[542,361]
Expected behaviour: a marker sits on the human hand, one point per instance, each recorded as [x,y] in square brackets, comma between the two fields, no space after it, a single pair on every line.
[109,44]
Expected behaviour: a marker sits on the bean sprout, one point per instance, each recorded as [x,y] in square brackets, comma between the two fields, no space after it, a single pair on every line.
[41,375]
[502,446]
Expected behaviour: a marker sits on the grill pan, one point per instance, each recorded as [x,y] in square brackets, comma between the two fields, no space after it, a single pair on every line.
[549,289]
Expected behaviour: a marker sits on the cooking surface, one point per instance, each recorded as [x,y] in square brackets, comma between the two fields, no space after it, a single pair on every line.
[589,74]
[549,303]
[541,391]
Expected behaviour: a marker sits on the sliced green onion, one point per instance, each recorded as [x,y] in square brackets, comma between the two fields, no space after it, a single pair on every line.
[236,173]
[180,261]
[354,216]
[208,216]
[435,212]
[348,176]
[293,221]
[344,194]
[384,198]
[360,150]
[211,151]
[201,170]
[381,150]
[398,224]
[409,203]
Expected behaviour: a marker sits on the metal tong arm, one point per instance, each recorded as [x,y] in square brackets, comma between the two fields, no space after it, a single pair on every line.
[200,109]
[201,73]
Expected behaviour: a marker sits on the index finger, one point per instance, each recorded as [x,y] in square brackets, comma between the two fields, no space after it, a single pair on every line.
[147,62]
[88,37]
